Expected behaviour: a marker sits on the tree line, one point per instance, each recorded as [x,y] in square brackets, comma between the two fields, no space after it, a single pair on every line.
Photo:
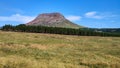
[57,30]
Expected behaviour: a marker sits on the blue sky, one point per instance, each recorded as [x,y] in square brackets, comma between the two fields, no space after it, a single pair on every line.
[89,13]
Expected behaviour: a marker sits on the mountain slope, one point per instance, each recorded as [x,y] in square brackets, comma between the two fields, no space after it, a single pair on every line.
[53,20]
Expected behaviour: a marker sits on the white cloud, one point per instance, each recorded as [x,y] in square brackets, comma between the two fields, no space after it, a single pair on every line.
[73,18]
[17,18]
[93,14]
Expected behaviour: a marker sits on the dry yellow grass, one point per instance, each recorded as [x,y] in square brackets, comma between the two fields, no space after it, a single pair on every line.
[31,50]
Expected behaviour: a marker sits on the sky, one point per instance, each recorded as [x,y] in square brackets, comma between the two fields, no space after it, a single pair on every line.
[88,13]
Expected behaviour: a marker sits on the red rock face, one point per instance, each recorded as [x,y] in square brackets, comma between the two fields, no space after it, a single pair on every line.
[47,18]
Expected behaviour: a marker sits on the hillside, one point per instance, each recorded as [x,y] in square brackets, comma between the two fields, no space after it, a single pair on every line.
[33,50]
[53,20]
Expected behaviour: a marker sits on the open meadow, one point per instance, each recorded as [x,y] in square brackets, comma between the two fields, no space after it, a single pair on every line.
[37,50]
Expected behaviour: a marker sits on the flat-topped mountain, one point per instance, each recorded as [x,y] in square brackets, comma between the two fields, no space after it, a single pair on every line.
[52,20]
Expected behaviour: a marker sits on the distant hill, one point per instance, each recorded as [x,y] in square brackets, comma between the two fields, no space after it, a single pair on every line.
[53,20]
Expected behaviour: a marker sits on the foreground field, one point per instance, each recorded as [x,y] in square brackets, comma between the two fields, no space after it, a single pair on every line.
[30,50]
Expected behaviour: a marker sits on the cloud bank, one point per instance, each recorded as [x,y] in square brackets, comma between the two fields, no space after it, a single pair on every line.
[93,14]
[17,18]
[73,18]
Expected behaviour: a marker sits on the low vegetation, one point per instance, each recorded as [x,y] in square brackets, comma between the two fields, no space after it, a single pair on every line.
[35,50]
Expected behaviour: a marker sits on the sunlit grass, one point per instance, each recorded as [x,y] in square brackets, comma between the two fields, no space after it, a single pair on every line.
[31,50]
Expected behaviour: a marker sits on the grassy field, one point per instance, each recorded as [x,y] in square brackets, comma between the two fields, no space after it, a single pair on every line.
[30,50]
